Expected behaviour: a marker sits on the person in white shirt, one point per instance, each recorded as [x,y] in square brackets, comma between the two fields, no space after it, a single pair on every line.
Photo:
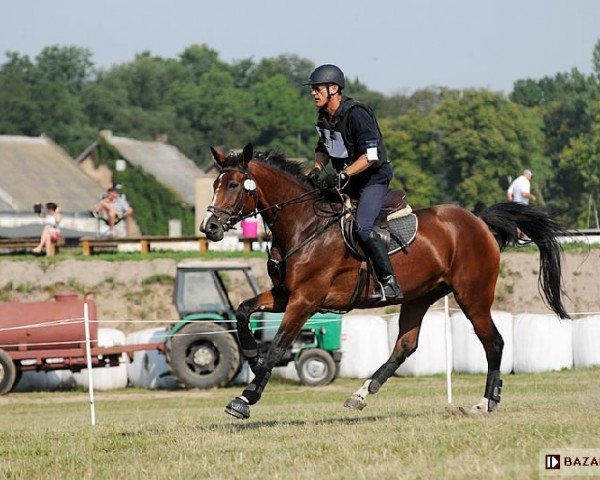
[112,209]
[520,189]
[51,231]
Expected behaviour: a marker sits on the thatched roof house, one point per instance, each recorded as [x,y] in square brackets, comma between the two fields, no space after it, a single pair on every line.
[35,169]
[165,162]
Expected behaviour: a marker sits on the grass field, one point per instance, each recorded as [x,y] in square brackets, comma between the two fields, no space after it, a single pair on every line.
[300,432]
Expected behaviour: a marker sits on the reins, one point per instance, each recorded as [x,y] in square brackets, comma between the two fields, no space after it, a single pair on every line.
[251,193]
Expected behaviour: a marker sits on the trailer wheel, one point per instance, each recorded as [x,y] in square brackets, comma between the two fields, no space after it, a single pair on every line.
[316,367]
[204,355]
[8,373]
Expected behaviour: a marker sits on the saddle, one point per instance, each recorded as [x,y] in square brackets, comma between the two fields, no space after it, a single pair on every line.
[396,224]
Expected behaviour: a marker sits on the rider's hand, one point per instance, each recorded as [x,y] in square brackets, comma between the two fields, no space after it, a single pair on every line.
[313,175]
[336,180]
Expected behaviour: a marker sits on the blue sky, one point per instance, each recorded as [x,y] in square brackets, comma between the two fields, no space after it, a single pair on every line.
[391,46]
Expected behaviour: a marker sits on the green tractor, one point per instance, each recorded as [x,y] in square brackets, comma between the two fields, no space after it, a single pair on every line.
[203,350]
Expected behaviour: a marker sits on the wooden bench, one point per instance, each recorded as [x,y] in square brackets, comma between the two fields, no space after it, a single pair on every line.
[20,244]
[89,243]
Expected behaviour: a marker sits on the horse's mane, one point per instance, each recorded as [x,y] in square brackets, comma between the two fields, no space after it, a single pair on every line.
[275,159]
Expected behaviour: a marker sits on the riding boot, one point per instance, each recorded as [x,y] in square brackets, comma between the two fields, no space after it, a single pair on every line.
[376,250]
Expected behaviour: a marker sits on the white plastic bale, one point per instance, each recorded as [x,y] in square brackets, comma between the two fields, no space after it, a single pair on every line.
[287,373]
[107,378]
[149,368]
[467,350]
[244,376]
[364,345]
[45,381]
[586,341]
[430,356]
[542,343]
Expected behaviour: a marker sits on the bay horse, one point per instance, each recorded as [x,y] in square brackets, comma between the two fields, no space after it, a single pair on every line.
[313,270]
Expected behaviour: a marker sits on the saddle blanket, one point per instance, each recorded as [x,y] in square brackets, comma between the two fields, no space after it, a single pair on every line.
[403,231]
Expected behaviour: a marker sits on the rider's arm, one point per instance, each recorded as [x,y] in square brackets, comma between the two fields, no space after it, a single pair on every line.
[365,135]
[359,165]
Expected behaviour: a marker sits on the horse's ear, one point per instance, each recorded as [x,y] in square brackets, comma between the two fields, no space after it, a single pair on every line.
[247,154]
[218,156]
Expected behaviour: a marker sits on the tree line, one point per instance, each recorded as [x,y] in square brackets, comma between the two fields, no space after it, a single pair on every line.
[461,146]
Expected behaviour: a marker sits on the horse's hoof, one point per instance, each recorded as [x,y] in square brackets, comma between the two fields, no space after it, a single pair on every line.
[355,402]
[480,408]
[238,408]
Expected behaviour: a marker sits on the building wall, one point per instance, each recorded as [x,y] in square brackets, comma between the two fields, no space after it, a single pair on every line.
[103,175]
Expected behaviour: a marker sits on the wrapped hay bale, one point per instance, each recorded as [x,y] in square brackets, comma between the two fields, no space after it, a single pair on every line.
[364,345]
[107,378]
[287,373]
[468,352]
[430,357]
[45,381]
[586,341]
[541,343]
[149,368]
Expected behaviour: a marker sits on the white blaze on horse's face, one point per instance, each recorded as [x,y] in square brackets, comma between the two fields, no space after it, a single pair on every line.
[208,213]
[227,196]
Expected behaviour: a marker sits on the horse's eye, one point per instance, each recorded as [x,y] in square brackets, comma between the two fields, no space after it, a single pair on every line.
[233,185]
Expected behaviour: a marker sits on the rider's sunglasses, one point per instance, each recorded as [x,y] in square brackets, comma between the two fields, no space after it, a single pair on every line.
[317,88]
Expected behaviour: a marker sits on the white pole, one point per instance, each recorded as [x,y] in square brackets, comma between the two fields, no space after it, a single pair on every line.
[88,354]
[448,350]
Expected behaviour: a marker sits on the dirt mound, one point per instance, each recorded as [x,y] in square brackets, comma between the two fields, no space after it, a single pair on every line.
[142,290]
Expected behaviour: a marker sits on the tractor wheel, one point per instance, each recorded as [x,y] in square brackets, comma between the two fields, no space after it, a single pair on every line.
[8,373]
[315,367]
[204,355]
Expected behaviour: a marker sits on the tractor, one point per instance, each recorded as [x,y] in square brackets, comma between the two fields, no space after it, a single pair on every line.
[203,350]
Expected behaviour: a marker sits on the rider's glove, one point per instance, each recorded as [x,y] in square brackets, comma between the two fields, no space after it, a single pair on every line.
[336,180]
[313,175]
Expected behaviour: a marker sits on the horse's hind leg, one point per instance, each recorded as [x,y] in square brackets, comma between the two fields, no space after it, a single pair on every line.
[410,319]
[478,311]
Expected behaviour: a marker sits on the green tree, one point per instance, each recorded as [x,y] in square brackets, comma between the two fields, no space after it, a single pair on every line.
[579,164]
[280,114]
[486,139]
[414,150]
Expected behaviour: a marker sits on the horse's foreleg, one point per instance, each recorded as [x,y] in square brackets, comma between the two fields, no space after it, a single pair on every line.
[296,313]
[270,301]
[408,335]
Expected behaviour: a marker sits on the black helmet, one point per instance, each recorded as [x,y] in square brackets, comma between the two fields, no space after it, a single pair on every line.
[326,74]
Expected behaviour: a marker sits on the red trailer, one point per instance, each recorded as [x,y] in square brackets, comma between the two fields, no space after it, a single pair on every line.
[43,336]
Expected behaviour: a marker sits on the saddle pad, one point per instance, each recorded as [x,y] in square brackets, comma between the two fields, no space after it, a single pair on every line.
[403,231]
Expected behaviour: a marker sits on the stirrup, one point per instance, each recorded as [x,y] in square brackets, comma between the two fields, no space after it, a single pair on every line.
[387,290]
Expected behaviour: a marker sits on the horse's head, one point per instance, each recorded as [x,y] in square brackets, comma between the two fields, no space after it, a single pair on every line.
[234,194]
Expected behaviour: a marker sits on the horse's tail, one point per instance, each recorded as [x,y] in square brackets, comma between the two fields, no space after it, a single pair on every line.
[507,218]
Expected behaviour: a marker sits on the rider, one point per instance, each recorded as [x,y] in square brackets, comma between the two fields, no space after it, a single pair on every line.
[349,135]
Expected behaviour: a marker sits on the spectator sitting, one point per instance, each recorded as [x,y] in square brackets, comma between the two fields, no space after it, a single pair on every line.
[51,232]
[112,208]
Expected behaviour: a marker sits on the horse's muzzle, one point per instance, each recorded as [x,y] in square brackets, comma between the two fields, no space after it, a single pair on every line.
[212,228]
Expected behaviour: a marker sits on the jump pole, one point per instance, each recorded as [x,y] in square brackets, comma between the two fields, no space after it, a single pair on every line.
[448,350]
[88,354]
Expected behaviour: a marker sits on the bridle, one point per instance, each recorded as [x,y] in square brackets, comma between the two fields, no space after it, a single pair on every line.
[234,216]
